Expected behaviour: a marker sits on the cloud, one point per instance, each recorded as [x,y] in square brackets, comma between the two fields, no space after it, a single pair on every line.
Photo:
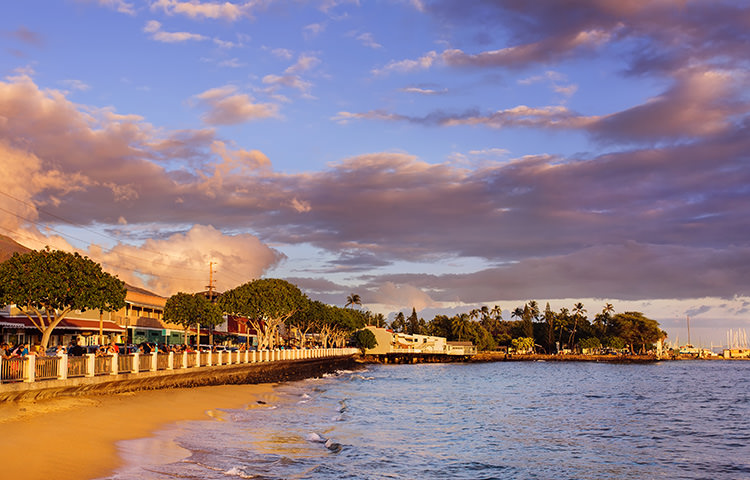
[395,296]
[76,85]
[292,78]
[198,10]
[664,222]
[404,66]
[700,103]
[552,117]
[368,40]
[659,36]
[226,107]
[313,30]
[154,28]
[180,261]
[119,5]
[25,35]
[424,90]
[650,271]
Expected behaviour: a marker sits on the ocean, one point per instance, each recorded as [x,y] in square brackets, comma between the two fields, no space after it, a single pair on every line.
[503,420]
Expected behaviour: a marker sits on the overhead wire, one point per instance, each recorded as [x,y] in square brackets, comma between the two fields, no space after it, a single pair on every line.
[235,275]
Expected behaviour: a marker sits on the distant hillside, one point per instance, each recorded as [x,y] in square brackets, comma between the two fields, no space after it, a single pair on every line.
[8,247]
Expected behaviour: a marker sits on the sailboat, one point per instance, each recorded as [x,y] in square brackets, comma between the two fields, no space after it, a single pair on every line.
[689,349]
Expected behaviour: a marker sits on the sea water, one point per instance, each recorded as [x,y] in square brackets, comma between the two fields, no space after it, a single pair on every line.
[534,420]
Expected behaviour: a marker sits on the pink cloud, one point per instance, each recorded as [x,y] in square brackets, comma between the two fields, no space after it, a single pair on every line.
[226,107]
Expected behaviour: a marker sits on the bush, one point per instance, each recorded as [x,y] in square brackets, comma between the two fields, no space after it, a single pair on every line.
[365,339]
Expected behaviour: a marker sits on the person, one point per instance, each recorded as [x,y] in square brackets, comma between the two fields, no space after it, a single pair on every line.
[75,350]
[5,351]
[112,349]
[60,351]
[22,350]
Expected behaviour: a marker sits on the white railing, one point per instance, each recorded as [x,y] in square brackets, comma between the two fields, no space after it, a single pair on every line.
[31,368]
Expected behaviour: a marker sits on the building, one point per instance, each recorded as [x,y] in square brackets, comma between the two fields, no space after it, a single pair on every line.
[461,348]
[141,320]
[394,342]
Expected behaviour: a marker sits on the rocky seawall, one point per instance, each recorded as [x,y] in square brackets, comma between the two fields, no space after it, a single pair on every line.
[271,372]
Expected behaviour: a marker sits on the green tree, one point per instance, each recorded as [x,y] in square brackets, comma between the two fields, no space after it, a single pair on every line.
[307,320]
[549,319]
[47,285]
[578,313]
[636,329]
[460,326]
[523,344]
[590,343]
[412,323]
[398,324]
[440,326]
[378,320]
[266,303]
[186,310]
[365,339]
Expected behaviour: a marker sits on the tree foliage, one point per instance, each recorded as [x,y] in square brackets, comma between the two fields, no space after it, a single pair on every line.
[265,303]
[49,284]
[188,310]
[365,339]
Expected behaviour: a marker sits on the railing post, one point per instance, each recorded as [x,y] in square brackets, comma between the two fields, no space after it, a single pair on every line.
[184,359]
[219,358]
[209,358]
[62,368]
[136,362]
[30,365]
[170,362]
[90,365]
[115,366]
[153,362]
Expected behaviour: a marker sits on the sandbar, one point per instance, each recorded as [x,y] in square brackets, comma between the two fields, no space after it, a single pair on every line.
[75,437]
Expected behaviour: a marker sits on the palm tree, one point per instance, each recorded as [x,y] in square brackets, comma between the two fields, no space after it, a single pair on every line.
[353,299]
[460,326]
[533,309]
[578,312]
[497,312]
[517,313]
[602,319]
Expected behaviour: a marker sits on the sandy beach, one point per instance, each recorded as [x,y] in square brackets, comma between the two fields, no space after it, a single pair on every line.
[74,438]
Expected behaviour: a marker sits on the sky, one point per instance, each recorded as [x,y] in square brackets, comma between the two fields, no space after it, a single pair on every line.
[436,155]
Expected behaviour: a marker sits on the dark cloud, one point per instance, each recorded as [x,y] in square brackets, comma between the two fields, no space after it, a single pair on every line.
[659,36]
[666,221]
[627,271]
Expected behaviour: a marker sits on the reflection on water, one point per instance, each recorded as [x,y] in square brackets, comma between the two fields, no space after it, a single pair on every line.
[473,421]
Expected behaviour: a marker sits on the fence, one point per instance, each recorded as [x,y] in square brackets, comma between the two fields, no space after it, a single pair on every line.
[33,368]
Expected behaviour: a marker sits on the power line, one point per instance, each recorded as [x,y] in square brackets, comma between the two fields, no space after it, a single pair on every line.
[236,275]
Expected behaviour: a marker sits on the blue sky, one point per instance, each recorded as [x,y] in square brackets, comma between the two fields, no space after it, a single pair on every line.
[432,154]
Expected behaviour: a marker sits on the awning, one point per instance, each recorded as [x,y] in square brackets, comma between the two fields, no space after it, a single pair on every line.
[65,324]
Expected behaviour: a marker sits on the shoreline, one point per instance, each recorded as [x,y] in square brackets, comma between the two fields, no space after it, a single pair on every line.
[76,438]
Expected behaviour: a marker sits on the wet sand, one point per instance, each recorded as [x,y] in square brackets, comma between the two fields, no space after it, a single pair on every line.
[74,438]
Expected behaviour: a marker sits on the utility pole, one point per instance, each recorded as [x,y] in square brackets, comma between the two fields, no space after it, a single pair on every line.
[210,286]
[211,299]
